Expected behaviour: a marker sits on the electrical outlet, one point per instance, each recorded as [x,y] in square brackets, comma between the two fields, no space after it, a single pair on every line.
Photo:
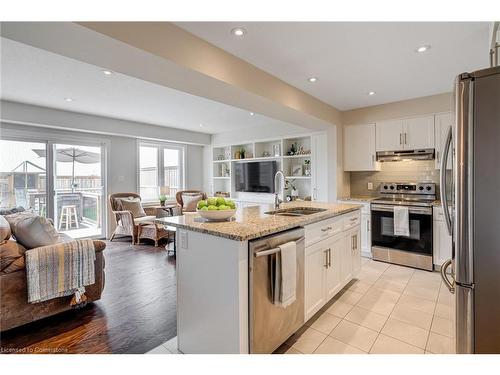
[183,240]
[370,186]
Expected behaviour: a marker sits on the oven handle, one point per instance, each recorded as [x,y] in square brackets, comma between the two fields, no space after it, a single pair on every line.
[412,210]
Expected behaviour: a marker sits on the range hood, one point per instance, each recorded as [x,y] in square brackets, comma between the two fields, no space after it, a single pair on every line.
[404,155]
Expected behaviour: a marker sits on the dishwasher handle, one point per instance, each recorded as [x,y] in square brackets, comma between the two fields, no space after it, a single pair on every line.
[272,251]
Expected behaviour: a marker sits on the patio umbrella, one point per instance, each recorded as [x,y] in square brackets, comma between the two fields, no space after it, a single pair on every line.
[72,155]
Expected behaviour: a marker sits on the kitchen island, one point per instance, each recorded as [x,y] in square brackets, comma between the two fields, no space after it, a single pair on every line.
[213,268]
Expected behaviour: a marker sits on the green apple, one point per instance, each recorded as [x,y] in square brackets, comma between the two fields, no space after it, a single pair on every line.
[222,207]
[230,204]
[204,208]
[212,201]
[201,204]
[221,201]
[212,207]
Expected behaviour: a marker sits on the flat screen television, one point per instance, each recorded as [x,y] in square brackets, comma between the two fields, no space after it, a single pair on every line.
[255,177]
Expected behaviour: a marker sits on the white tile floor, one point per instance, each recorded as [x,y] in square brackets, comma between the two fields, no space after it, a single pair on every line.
[169,347]
[388,309]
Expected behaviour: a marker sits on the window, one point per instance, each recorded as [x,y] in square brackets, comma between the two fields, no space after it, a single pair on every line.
[23,175]
[161,171]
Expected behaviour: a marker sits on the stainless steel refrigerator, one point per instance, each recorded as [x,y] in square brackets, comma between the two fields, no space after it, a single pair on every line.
[471,202]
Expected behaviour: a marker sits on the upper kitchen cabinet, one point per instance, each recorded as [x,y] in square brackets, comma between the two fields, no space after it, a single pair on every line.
[359,148]
[418,133]
[389,135]
[443,122]
[408,134]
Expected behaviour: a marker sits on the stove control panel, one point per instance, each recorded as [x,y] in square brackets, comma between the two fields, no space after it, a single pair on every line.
[426,188]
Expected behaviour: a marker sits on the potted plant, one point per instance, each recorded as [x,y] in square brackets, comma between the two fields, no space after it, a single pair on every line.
[289,185]
[307,167]
[163,199]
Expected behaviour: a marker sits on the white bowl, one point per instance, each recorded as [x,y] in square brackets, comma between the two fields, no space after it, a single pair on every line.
[216,215]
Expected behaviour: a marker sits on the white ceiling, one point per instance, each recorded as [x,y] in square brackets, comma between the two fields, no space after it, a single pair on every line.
[36,76]
[352,58]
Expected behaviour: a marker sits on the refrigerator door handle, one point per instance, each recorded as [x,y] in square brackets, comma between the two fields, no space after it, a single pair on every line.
[444,198]
[449,284]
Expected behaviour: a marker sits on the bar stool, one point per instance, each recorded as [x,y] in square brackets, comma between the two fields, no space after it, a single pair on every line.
[68,216]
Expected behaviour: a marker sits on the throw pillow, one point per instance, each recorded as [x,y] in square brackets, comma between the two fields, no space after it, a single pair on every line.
[11,256]
[31,230]
[133,205]
[9,211]
[4,229]
[190,201]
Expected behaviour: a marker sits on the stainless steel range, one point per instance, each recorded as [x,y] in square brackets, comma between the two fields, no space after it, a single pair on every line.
[414,250]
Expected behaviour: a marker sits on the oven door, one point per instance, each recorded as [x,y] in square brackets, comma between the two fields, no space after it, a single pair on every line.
[420,239]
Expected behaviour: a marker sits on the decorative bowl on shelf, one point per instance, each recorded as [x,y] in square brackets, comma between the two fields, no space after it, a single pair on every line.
[216,215]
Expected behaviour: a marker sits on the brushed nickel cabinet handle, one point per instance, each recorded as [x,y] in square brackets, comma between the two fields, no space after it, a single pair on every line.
[405,140]
[329,258]
[400,138]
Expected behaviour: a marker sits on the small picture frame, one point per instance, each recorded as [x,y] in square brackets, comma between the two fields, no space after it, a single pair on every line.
[296,170]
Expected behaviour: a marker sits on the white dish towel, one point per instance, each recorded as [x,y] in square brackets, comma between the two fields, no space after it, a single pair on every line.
[285,283]
[401,221]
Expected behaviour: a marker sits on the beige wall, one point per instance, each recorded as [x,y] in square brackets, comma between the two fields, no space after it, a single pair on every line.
[406,108]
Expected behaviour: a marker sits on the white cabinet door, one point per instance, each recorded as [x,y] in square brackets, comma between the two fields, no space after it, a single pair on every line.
[356,252]
[366,236]
[389,135]
[319,168]
[359,148]
[314,276]
[442,243]
[346,259]
[418,133]
[442,122]
[333,282]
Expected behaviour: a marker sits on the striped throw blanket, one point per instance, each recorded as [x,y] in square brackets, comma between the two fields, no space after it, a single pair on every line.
[60,270]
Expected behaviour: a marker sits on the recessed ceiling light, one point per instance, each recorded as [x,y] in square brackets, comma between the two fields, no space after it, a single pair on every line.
[371,93]
[68,99]
[423,49]
[239,31]
[251,113]
[107,72]
[312,79]
[201,125]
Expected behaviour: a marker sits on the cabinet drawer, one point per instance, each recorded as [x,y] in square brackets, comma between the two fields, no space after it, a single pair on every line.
[352,220]
[438,213]
[324,229]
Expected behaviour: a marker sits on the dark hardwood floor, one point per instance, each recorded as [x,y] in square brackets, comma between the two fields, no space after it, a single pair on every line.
[136,313]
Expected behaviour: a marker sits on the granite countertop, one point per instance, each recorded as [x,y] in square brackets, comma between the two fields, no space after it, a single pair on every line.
[358,198]
[252,222]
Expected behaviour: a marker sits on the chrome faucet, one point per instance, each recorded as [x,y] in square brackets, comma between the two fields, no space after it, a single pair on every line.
[277,200]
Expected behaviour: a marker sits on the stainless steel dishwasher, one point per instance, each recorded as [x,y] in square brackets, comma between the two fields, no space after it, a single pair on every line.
[271,325]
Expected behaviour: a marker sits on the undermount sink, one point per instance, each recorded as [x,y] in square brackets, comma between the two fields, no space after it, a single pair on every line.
[296,211]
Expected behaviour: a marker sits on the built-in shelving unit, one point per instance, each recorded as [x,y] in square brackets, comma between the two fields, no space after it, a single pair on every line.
[293,155]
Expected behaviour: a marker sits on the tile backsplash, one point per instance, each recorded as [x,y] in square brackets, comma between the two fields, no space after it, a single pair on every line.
[404,171]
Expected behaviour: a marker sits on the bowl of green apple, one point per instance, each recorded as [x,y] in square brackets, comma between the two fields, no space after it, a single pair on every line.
[216,209]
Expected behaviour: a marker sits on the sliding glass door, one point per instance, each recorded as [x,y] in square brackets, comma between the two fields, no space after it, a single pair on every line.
[61,181]
[78,188]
